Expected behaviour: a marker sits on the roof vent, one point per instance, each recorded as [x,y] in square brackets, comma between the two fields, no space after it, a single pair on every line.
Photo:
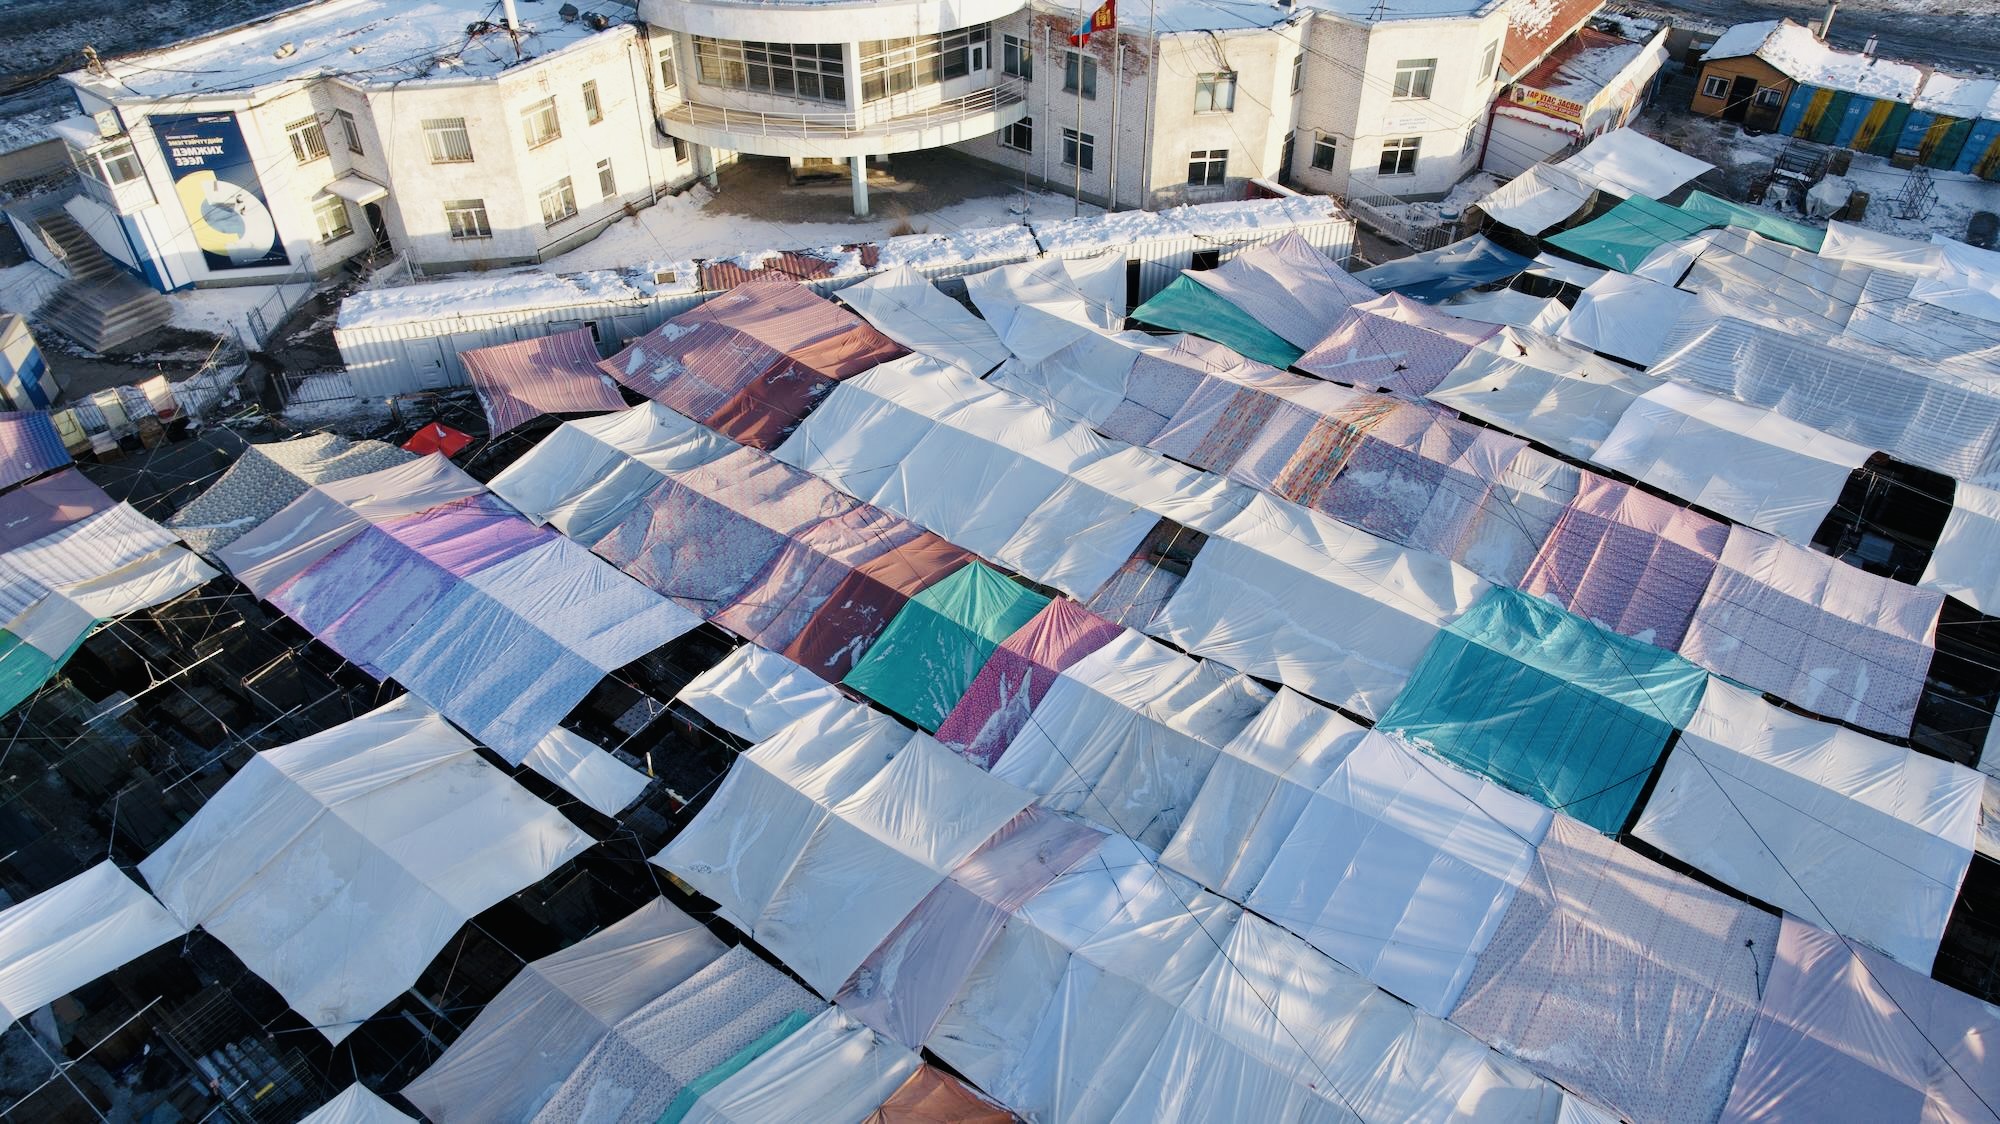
[666,277]
[596,21]
[569,13]
[286,50]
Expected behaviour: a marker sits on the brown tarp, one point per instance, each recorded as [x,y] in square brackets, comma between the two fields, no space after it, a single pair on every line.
[932,1096]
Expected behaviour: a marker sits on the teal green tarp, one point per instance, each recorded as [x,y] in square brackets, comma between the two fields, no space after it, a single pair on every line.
[1548,704]
[1189,306]
[1622,237]
[684,1100]
[926,659]
[24,668]
[1721,212]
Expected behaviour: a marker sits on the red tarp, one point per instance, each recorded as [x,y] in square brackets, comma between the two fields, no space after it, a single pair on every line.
[437,438]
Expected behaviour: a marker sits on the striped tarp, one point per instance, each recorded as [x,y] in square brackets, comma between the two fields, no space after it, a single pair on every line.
[29,446]
[1395,343]
[558,374]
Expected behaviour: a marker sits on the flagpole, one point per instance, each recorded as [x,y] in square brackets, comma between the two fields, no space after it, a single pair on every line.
[1083,28]
[1146,134]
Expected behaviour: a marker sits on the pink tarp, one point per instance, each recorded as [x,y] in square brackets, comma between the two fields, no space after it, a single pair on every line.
[1816,632]
[1846,1033]
[557,374]
[778,556]
[1395,343]
[36,510]
[1018,674]
[1631,562]
[752,362]
[904,986]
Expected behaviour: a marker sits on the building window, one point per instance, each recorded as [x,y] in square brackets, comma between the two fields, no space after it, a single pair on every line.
[1020,135]
[1489,61]
[1715,86]
[809,71]
[539,125]
[467,219]
[669,77]
[350,130]
[680,151]
[447,140]
[117,162]
[1215,93]
[1208,167]
[593,111]
[308,140]
[1079,74]
[1017,58]
[1413,77]
[558,202]
[895,66]
[1079,150]
[1768,97]
[1326,150]
[330,212]
[1298,71]
[607,182]
[1399,157]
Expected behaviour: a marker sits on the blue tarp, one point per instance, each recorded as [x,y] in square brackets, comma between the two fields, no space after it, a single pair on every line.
[1436,274]
[1187,306]
[1548,704]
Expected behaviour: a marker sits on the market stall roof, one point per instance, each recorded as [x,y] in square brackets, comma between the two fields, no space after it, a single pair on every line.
[585,476]
[1186,305]
[553,374]
[833,1068]
[1545,195]
[1017,675]
[1395,343]
[528,1038]
[1861,837]
[1626,317]
[356,1104]
[1543,388]
[1816,632]
[1288,286]
[1746,463]
[1628,162]
[602,782]
[1721,212]
[266,477]
[927,658]
[1433,275]
[1962,565]
[1622,237]
[68,935]
[336,866]
[1548,704]
[755,692]
[903,305]
[29,446]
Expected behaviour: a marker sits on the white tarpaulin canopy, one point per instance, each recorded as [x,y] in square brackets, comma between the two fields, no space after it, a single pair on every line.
[581,478]
[1538,198]
[903,305]
[65,937]
[528,1038]
[1125,736]
[1747,463]
[824,836]
[1288,594]
[833,1070]
[68,612]
[1510,307]
[1543,388]
[1853,834]
[337,866]
[1625,316]
[1287,286]
[585,771]
[356,1105]
[1039,307]
[1968,281]
[755,692]
[1850,242]
[1628,162]
[1962,565]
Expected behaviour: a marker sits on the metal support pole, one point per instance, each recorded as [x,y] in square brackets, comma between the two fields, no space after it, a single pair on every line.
[858,166]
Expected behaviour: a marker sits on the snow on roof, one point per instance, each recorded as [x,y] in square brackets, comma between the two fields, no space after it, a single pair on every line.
[367,41]
[991,244]
[1584,65]
[1803,57]
[1373,11]
[1953,96]
[25,130]
[1534,27]
[1741,40]
[1212,219]
[489,293]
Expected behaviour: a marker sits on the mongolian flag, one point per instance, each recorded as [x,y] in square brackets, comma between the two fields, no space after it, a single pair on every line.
[1103,19]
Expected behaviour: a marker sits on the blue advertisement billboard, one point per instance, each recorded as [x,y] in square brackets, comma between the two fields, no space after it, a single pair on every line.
[219,192]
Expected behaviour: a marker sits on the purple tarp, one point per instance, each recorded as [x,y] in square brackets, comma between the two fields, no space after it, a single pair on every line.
[558,374]
[1395,343]
[1016,676]
[29,446]
[1631,562]
[44,507]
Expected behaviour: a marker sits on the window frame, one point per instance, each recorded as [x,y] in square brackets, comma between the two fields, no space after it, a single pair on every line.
[563,192]
[1017,58]
[607,179]
[1298,72]
[1489,62]
[1767,97]
[1712,83]
[1013,130]
[118,152]
[308,140]
[350,130]
[1394,153]
[753,66]
[344,229]
[1208,167]
[1080,75]
[535,118]
[1410,75]
[1216,88]
[593,105]
[1079,146]
[1331,145]
[670,78]
[438,130]
[467,220]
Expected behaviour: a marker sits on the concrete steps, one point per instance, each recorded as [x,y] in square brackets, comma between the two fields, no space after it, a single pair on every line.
[101,306]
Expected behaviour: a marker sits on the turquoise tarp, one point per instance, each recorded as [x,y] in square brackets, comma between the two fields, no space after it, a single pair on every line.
[1548,704]
[1189,306]
[1721,212]
[684,1101]
[926,659]
[1622,237]
[24,667]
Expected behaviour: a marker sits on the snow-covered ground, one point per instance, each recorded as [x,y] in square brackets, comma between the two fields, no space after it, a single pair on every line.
[24,287]
[691,225]
[226,311]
